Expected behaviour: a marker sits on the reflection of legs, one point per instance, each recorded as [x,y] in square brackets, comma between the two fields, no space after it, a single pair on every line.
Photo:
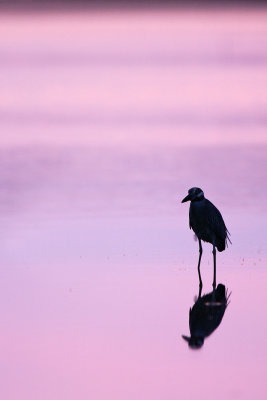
[214,267]
[198,267]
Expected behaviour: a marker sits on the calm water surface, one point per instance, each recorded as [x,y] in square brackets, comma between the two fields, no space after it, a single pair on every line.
[106,120]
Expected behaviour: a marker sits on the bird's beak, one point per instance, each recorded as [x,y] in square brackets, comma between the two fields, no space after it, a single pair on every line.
[187,198]
[186,338]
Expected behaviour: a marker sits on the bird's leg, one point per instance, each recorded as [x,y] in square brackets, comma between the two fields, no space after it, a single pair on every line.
[200,290]
[198,267]
[214,267]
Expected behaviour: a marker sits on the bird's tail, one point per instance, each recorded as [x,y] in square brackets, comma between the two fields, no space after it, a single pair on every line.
[221,243]
[227,237]
[228,297]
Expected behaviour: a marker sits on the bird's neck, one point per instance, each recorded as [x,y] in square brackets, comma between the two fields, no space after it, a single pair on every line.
[198,199]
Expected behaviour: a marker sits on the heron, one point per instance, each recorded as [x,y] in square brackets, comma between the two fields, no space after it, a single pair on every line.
[208,224]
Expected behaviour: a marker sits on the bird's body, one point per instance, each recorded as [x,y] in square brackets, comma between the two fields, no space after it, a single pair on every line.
[207,223]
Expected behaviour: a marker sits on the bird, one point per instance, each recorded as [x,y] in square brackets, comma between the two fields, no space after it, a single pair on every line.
[206,315]
[208,224]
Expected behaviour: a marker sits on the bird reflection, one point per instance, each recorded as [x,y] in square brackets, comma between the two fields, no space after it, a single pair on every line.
[206,315]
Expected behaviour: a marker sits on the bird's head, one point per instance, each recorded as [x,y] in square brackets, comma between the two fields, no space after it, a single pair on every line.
[195,342]
[194,194]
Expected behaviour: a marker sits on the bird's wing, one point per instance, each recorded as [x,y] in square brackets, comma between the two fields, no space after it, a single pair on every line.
[215,221]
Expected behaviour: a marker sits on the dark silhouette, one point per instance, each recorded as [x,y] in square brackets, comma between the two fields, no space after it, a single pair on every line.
[207,223]
[206,315]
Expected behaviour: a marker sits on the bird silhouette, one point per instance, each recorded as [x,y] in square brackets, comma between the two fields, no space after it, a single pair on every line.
[208,224]
[206,315]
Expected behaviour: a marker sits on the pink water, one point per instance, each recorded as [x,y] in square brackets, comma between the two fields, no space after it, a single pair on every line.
[107,118]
